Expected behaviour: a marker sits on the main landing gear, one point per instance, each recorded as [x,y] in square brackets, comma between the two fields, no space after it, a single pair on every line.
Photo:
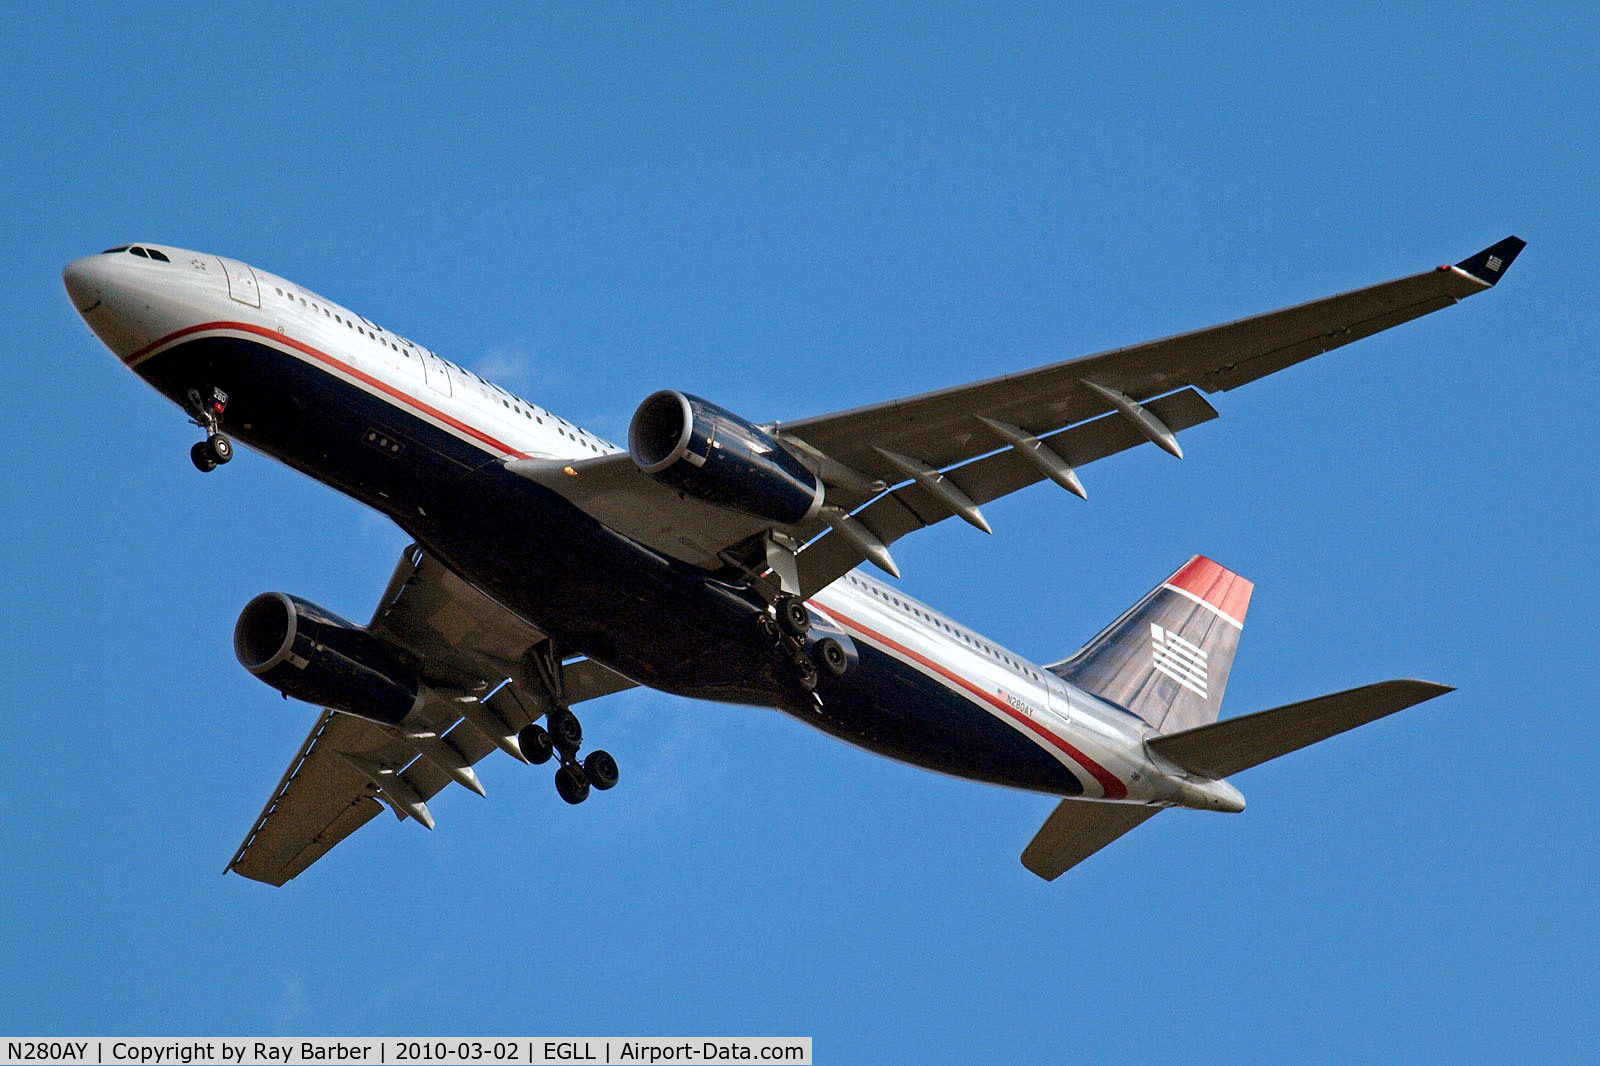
[786,629]
[562,735]
[207,412]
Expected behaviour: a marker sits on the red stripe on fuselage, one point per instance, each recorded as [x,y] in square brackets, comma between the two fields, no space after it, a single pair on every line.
[315,353]
[1216,584]
[1109,782]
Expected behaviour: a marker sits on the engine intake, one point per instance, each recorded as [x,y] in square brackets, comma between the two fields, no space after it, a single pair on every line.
[713,454]
[312,654]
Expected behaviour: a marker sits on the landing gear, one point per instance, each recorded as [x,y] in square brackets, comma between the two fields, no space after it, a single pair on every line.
[572,783]
[793,616]
[211,453]
[601,769]
[785,630]
[536,745]
[200,455]
[805,672]
[562,734]
[566,732]
[830,656]
[207,412]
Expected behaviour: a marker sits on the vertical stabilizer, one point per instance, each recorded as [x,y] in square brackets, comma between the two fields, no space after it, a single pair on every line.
[1167,658]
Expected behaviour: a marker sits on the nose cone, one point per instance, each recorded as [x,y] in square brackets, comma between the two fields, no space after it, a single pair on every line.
[124,299]
[83,278]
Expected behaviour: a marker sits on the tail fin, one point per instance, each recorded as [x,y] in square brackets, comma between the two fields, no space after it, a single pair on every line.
[1168,657]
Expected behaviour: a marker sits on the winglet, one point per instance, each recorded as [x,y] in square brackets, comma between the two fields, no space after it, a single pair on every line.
[1489,265]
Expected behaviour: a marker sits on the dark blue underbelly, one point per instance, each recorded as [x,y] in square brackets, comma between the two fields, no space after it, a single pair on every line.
[600,594]
[657,620]
[888,706]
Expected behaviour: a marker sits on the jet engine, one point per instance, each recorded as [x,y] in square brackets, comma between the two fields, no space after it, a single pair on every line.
[713,454]
[312,654]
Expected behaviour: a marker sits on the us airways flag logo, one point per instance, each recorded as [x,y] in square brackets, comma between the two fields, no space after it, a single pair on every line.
[1178,659]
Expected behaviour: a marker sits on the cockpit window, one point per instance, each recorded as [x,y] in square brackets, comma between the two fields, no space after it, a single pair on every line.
[143,253]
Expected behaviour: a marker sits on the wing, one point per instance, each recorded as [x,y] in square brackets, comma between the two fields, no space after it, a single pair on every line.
[350,769]
[952,450]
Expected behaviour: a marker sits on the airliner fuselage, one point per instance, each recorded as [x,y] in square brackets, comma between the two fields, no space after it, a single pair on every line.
[425,441]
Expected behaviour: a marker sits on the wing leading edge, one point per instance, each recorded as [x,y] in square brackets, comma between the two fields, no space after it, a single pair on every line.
[894,467]
[940,427]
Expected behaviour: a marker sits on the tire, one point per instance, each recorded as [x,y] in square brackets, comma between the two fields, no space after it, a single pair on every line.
[806,673]
[793,616]
[831,658]
[601,769]
[535,744]
[220,448]
[200,455]
[572,783]
[565,730]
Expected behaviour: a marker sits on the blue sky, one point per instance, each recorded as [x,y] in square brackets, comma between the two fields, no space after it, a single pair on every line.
[791,209]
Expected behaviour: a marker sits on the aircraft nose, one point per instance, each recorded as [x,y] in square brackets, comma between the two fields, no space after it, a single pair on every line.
[82,278]
[115,298]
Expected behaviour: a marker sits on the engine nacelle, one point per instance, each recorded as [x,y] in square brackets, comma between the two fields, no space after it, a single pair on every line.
[312,654]
[711,453]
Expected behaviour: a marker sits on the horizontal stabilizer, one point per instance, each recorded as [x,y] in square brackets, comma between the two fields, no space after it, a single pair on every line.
[1076,830]
[1223,748]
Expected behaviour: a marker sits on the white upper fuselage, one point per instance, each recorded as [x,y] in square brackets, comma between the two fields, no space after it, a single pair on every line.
[140,305]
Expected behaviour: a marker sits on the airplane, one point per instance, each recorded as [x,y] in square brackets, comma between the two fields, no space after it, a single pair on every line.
[714,557]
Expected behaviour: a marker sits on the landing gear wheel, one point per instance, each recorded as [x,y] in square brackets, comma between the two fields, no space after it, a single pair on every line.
[793,616]
[535,744]
[831,657]
[220,448]
[200,455]
[601,769]
[572,783]
[768,628]
[806,673]
[565,731]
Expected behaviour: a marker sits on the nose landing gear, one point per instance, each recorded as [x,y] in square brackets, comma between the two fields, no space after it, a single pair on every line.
[207,413]
[562,735]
